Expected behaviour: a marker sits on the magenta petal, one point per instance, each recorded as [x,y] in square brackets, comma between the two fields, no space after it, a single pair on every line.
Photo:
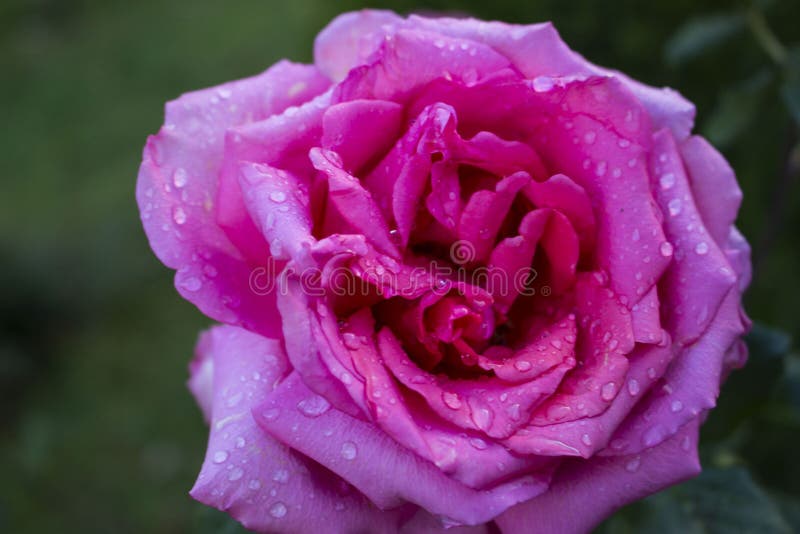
[349,39]
[561,193]
[690,386]
[484,214]
[250,475]
[387,473]
[713,185]
[281,214]
[361,131]
[467,458]
[350,207]
[493,407]
[413,58]
[699,263]
[178,184]
[599,486]
[537,50]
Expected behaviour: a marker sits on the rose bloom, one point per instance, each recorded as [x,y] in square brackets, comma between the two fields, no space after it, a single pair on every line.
[466,279]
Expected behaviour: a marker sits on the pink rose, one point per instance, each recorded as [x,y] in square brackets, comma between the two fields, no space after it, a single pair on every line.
[465,277]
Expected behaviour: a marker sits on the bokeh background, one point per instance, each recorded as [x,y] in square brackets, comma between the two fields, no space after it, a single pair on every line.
[98,433]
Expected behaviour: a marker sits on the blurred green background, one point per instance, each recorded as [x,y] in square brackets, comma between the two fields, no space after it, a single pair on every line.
[98,433]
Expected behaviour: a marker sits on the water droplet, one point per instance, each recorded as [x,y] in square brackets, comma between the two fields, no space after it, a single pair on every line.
[281,476]
[686,443]
[654,436]
[482,417]
[674,206]
[451,400]
[587,440]
[278,510]
[220,457]
[254,484]
[277,196]
[651,372]
[178,215]
[271,414]
[240,442]
[633,465]
[636,235]
[556,343]
[590,137]
[676,406]
[235,474]
[557,412]
[523,365]
[313,406]
[192,284]
[608,391]
[667,181]
[633,387]
[478,443]
[349,450]
[600,170]
[666,249]
[351,341]
[542,84]
[701,248]
[513,411]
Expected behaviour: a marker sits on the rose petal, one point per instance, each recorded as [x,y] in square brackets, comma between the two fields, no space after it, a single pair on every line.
[250,475]
[599,486]
[387,473]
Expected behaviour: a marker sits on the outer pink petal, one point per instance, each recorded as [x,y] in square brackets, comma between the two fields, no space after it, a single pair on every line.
[250,475]
[599,486]
[177,192]
[349,39]
[378,466]
[714,186]
[700,275]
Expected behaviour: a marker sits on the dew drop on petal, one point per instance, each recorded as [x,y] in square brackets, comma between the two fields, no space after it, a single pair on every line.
[666,249]
[674,206]
[633,387]
[701,248]
[349,450]
[451,400]
[220,457]
[313,406]
[178,215]
[608,391]
[278,510]
[277,196]
[667,181]
[179,177]
[235,474]
[633,465]
[523,365]
[281,476]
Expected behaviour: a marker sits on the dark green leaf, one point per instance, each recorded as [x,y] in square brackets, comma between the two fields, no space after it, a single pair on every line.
[790,91]
[719,501]
[701,33]
[736,109]
[747,391]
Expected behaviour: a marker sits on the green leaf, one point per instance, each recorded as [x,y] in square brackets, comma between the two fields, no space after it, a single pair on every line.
[719,501]
[736,109]
[790,91]
[701,33]
[746,392]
